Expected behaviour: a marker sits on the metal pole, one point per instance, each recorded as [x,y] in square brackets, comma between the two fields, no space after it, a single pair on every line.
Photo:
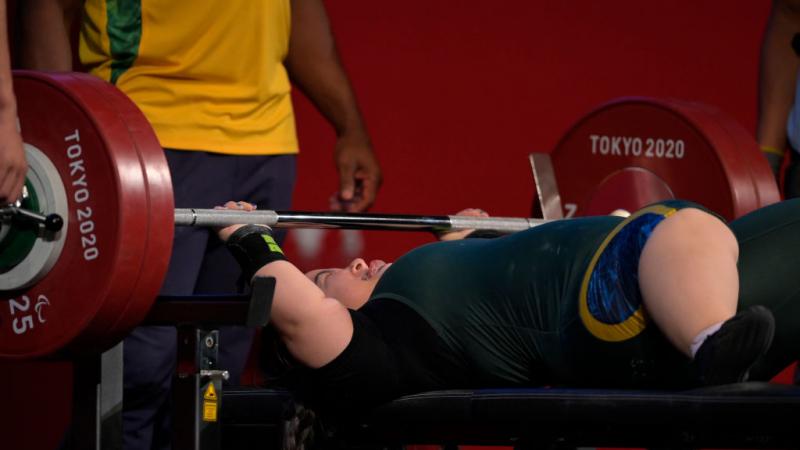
[300,219]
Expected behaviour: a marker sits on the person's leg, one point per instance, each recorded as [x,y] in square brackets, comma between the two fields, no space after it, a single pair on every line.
[148,366]
[791,189]
[688,276]
[791,179]
[769,241]
[149,355]
[690,285]
[150,352]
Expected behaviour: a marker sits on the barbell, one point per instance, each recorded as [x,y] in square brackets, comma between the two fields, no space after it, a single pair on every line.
[96,163]
[18,219]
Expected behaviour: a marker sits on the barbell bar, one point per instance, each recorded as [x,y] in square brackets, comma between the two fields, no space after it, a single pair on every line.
[310,219]
[198,217]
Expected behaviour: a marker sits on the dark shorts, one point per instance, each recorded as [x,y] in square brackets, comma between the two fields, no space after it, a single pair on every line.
[200,264]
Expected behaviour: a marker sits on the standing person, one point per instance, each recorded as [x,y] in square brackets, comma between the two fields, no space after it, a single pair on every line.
[779,96]
[12,156]
[778,107]
[213,78]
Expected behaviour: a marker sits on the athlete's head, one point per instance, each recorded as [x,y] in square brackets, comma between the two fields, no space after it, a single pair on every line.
[351,285]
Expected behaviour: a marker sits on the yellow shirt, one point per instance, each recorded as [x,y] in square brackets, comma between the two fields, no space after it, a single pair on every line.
[208,74]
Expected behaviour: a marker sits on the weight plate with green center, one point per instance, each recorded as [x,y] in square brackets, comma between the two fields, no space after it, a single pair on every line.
[20,237]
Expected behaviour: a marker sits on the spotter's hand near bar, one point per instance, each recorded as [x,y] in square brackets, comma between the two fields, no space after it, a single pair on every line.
[359,175]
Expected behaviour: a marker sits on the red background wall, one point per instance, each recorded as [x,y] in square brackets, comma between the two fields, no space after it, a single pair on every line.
[456,94]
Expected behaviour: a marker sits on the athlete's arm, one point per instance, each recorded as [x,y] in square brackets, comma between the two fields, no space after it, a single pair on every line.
[315,328]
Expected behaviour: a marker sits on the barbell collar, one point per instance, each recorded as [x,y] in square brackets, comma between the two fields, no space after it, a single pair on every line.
[399,222]
[51,222]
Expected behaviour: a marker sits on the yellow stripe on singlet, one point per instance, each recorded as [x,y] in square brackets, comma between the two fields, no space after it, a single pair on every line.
[633,324]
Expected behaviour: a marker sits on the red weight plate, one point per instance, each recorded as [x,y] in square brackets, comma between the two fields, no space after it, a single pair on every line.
[99,265]
[745,147]
[671,140]
[715,127]
[157,239]
[97,97]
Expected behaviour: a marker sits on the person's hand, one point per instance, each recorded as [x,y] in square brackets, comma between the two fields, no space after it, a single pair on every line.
[226,232]
[359,175]
[13,166]
[461,234]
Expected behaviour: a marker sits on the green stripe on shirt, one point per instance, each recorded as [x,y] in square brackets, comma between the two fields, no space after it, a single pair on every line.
[124,34]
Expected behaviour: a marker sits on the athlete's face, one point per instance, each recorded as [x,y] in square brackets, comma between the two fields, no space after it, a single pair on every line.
[351,285]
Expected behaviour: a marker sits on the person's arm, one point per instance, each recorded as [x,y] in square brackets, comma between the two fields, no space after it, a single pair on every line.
[314,66]
[13,166]
[314,328]
[45,27]
[777,79]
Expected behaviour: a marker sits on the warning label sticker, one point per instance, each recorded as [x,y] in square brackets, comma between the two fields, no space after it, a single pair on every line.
[210,404]
[211,393]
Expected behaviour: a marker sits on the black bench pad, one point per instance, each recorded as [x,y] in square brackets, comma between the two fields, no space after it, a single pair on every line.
[744,415]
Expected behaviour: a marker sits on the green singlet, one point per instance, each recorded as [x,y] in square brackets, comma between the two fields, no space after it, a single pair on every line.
[559,303]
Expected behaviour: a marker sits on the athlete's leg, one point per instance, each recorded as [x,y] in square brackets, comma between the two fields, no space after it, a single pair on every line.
[690,286]
[688,275]
[769,268]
